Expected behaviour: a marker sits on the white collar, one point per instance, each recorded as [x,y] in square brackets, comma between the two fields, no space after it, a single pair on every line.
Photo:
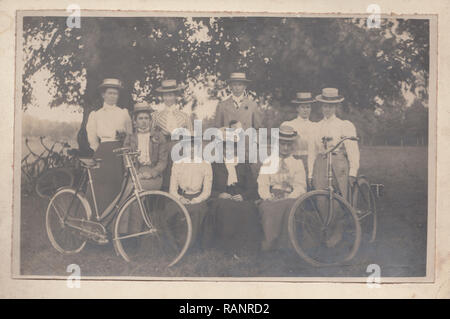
[332,118]
[301,119]
[171,109]
[238,98]
[231,163]
[107,106]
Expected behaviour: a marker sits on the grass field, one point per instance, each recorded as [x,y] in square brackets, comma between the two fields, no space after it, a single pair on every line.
[400,247]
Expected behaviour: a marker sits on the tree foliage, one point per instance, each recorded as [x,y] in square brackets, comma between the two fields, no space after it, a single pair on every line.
[284,54]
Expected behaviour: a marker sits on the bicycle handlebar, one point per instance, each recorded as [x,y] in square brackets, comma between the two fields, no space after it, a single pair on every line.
[123,151]
[343,138]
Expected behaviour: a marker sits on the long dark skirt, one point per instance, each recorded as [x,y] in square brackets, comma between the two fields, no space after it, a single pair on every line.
[274,218]
[236,226]
[107,179]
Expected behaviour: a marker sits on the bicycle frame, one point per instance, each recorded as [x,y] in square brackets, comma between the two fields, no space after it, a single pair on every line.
[137,189]
[330,176]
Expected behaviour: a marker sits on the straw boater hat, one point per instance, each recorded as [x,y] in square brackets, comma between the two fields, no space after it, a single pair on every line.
[142,107]
[303,98]
[238,77]
[287,133]
[169,86]
[330,95]
[111,83]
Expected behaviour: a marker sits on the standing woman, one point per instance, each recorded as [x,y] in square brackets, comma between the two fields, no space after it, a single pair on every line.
[106,129]
[169,119]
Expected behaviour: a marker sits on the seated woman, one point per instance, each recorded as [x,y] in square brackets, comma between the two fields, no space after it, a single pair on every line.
[150,164]
[279,191]
[233,214]
[191,182]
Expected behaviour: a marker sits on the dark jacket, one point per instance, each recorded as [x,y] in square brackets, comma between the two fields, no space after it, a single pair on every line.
[246,185]
[247,114]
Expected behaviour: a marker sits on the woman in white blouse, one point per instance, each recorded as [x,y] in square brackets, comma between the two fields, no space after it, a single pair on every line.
[106,129]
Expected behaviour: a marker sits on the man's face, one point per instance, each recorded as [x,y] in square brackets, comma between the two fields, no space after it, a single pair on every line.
[286,148]
[238,88]
[328,109]
[111,96]
[304,110]
[169,98]
[143,120]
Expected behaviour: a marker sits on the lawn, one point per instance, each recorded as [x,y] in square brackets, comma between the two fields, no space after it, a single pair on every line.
[400,247]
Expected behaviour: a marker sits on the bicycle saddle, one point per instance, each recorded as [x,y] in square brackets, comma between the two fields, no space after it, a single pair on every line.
[90,162]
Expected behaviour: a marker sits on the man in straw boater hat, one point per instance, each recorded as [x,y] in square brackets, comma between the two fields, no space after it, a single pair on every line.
[304,127]
[279,191]
[170,118]
[238,106]
[150,164]
[345,158]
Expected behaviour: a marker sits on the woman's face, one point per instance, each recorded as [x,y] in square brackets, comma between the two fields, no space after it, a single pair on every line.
[169,98]
[328,109]
[237,88]
[286,148]
[304,110]
[143,120]
[111,96]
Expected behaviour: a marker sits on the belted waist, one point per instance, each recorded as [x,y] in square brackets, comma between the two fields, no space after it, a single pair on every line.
[187,194]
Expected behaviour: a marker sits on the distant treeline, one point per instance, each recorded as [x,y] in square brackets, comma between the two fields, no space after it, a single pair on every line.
[58,131]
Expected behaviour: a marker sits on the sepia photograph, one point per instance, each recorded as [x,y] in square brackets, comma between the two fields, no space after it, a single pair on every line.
[224,146]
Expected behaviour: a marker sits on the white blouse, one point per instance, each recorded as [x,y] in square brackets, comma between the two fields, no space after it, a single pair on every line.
[103,124]
[143,147]
[335,128]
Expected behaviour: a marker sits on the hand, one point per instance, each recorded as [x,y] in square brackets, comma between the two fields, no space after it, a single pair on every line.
[352,180]
[194,201]
[309,184]
[184,201]
[225,196]
[237,198]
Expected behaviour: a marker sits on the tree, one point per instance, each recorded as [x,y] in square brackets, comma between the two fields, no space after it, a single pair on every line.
[290,54]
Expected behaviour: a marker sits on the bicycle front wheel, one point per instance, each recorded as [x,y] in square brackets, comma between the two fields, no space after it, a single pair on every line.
[53,179]
[324,229]
[66,213]
[154,227]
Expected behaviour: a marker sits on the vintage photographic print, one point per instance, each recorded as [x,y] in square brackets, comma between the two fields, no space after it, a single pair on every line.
[225,146]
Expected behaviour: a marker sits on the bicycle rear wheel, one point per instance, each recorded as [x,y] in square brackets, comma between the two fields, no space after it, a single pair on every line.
[321,238]
[365,205]
[66,211]
[53,179]
[160,232]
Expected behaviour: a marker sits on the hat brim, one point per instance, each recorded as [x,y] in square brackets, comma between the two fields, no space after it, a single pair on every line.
[337,99]
[110,86]
[163,90]
[303,101]
[238,80]
[288,139]
[147,110]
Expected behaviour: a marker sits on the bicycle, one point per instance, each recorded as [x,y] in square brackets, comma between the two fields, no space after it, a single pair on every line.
[324,227]
[57,171]
[164,228]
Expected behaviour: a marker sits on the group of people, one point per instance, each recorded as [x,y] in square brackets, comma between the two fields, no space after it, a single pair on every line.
[240,211]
